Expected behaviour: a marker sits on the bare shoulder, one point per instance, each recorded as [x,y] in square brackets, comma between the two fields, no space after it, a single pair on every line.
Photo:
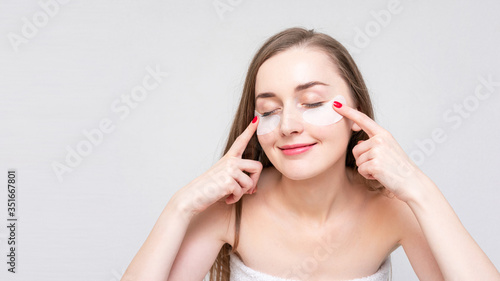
[395,215]
[253,209]
[405,229]
[218,219]
[402,220]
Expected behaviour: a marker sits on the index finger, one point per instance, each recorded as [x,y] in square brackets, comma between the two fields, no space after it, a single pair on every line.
[362,120]
[241,142]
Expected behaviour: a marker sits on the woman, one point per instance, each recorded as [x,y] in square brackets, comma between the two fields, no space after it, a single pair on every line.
[301,197]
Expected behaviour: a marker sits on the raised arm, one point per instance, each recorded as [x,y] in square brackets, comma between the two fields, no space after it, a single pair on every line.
[183,227]
[382,158]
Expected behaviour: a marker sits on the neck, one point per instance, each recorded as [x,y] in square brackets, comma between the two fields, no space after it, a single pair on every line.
[319,198]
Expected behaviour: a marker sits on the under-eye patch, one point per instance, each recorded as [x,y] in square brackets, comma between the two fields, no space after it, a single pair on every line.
[321,115]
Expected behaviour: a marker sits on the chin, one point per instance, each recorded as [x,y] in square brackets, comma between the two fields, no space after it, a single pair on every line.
[299,172]
[296,177]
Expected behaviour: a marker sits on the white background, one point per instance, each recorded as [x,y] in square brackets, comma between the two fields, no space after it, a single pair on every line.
[421,64]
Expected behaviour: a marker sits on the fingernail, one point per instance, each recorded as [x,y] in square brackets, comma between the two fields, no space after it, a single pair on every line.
[254,119]
[337,104]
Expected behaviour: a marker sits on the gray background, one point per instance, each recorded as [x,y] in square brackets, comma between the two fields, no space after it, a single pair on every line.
[420,65]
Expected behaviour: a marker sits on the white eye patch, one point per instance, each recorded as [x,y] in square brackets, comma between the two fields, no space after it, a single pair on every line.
[322,115]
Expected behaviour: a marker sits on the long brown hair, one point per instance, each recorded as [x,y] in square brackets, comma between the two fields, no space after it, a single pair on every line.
[284,40]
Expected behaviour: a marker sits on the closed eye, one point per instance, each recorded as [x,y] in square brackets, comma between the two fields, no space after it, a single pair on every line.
[268,113]
[313,105]
[306,105]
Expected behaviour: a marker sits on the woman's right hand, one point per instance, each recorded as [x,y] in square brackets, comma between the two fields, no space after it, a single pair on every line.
[226,177]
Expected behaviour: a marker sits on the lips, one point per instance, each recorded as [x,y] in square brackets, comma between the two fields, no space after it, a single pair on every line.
[292,146]
[294,149]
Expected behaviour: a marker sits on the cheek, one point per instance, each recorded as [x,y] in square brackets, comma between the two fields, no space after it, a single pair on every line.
[266,140]
[338,133]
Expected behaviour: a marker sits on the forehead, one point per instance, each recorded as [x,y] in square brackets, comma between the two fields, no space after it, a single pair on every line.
[295,66]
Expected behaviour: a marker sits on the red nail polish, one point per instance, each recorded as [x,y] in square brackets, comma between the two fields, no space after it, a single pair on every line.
[337,104]
[254,119]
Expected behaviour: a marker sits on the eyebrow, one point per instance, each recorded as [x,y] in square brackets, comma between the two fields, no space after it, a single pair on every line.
[299,88]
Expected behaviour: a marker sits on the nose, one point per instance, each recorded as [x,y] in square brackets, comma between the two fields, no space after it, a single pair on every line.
[291,122]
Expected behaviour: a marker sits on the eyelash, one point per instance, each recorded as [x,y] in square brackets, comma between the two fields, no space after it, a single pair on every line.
[308,105]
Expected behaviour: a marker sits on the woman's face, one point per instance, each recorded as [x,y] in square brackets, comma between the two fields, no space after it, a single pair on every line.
[279,77]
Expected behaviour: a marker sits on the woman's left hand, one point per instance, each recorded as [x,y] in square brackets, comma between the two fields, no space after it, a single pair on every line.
[381,157]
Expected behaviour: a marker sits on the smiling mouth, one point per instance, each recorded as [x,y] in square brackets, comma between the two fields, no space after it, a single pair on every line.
[295,149]
[294,146]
